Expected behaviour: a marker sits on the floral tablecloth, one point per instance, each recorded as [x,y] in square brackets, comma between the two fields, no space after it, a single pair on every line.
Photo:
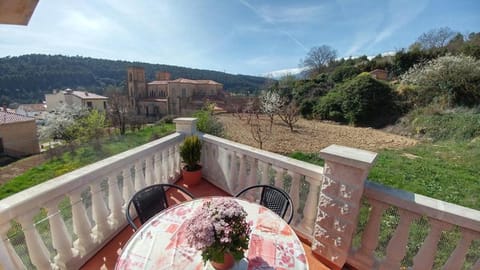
[161,244]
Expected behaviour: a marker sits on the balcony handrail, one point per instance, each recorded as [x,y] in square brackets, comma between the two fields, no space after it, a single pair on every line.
[33,197]
[424,206]
[302,167]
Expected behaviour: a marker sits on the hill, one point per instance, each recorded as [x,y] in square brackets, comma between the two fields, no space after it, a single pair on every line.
[26,78]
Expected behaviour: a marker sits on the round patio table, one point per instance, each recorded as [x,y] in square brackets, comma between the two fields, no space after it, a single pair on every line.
[161,244]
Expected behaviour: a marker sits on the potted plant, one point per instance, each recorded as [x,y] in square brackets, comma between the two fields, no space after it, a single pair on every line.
[220,230]
[190,152]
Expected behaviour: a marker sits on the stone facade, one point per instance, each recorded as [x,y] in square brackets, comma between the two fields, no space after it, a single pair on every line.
[379,74]
[18,135]
[165,96]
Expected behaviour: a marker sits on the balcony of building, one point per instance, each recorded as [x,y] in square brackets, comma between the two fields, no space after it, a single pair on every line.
[343,220]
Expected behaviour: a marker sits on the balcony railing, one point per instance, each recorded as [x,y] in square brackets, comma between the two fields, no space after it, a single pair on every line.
[65,221]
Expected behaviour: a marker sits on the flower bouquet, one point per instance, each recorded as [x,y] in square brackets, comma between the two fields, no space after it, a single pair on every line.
[219,229]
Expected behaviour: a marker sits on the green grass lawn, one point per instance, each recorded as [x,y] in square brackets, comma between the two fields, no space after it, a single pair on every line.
[82,156]
[445,170]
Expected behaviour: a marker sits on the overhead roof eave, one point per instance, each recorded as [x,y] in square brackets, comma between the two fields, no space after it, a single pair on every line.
[16,11]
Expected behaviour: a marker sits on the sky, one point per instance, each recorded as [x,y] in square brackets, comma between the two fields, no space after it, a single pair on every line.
[254,37]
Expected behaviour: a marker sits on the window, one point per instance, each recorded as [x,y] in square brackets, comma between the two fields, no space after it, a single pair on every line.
[89,104]
[105,105]
[184,92]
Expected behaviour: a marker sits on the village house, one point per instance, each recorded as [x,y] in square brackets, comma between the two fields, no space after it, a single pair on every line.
[18,135]
[379,74]
[71,97]
[165,96]
[37,111]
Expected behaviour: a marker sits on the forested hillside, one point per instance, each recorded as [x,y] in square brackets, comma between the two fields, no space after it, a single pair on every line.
[25,79]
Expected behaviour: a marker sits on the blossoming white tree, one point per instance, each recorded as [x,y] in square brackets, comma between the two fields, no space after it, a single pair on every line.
[455,78]
[271,103]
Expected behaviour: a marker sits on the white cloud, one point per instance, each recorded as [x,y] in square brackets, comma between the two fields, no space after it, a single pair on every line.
[283,72]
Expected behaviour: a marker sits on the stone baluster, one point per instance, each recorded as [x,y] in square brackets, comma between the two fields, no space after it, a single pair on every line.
[397,247]
[81,224]
[279,176]
[364,256]
[100,213]
[37,250]
[139,177]
[294,193]
[457,258]
[310,209]
[8,257]
[344,175]
[252,175]
[265,169]
[149,171]
[242,172]
[426,254]
[128,189]
[61,240]
[115,202]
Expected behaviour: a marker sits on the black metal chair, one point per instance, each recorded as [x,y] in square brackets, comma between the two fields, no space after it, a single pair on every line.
[149,201]
[274,199]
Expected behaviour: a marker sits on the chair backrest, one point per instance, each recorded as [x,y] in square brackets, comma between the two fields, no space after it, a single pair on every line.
[273,198]
[149,201]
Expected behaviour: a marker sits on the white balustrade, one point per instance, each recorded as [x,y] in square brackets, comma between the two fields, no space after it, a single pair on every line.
[39,254]
[115,202]
[71,253]
[226,164]
[61,240]
[440,216]
[81,225]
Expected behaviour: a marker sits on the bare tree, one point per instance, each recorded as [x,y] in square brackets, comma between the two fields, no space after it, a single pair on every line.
[318,58]
[271,102]
[118,109]
[260,133]
[289,114]
[436,38]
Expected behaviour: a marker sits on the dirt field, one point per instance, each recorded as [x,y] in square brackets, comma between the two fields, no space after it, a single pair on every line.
[311,136]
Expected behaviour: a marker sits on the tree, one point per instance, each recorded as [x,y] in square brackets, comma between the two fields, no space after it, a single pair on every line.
[318,59]
[60,124]
[436,38]
[118,108]
[289,113]
[455,79]
[259,132]
[361,100]
[271,102]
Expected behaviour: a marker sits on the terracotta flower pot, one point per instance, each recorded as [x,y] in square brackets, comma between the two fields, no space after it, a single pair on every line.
[228,262]
[192,178]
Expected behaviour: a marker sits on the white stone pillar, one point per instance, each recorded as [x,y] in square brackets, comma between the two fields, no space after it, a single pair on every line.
[345,172]
[186,125]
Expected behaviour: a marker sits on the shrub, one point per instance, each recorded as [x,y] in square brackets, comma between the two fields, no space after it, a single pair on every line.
[330,107]
[454,79]
[362,100]
[190,152]
[344,72]
[207,123]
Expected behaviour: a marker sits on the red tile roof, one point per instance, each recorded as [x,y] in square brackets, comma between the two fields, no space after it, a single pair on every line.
[8,118]
[183,80]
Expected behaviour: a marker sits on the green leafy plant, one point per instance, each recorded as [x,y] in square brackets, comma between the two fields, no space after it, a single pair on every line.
[190,152]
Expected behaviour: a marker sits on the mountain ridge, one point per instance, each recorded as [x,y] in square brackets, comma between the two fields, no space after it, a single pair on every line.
[27,78]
